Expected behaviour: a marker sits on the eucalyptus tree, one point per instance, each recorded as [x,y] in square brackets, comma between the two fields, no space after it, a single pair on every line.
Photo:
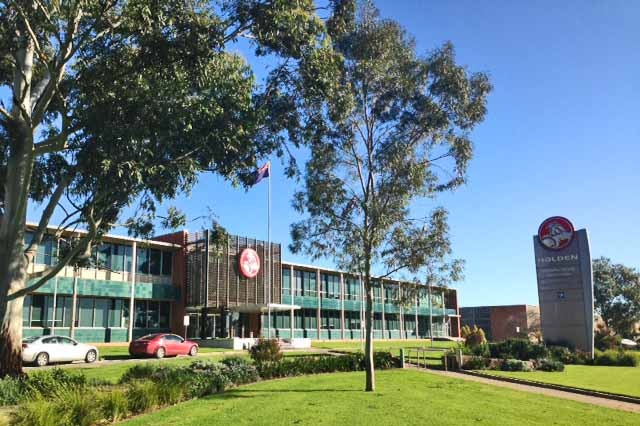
[616,290]
[395,130]
[107,102]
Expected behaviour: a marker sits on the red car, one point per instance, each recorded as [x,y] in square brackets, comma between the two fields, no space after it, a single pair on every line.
[161,345]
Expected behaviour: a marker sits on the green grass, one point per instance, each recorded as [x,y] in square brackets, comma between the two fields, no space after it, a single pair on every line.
[402,397]
[622,380]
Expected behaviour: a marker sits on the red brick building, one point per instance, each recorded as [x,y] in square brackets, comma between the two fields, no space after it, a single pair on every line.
[503,322]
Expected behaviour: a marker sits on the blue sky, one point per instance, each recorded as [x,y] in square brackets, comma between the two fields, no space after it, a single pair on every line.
[561,138]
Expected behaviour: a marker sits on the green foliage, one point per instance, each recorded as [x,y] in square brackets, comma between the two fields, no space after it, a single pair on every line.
[38,412]
[266,351]
[12,390]
[521,349]
[616,291]
[239,371]
[390,128]
[142,396]
[138,371]
[297,366]
[549,365]
[114,404]
[615,358]
[604,339]
[567,356]
[148,94]
[475,363]
[514,365]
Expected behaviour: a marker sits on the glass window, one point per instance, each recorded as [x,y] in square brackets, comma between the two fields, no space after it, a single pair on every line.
[143,261]
[298,319]
[26,311]
[85,312]
[102,313]
[155,261]
[128,257]
[37,310]
[68,303]
[165,315]
[48,316]
[117,257]
[141,314]
[286,280]
[167,262]
[59,321]
[125,314]
[377,321]
[152,315]
[104,256]
[310,318]
[115,312]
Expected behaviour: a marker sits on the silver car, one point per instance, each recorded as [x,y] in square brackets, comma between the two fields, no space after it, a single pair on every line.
[43,350]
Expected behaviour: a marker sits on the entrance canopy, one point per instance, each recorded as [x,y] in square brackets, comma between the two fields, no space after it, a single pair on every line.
[263,308]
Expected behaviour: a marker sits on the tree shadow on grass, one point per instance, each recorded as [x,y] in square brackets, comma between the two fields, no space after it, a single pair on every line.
[294,390]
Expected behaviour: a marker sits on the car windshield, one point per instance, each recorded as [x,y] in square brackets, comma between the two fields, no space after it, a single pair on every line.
[30,339]
[149,337]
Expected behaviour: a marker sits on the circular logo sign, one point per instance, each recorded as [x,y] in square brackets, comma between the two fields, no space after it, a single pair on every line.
[249,263]
[556,233]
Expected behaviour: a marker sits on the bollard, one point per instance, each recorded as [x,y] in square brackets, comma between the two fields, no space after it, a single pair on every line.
[401,358]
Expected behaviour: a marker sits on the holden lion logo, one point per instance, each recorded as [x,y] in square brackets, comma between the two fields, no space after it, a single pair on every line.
[249,263]
[556,233]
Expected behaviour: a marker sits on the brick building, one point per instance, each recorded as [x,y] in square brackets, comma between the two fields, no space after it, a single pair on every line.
[502,322]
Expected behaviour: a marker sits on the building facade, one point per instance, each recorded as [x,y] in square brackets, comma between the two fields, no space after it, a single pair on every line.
[503,322]
[137,287]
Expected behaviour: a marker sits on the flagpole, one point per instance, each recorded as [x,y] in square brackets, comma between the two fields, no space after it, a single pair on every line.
[269,251]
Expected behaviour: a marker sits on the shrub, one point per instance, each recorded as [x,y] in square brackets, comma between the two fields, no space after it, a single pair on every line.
[474,363]
[50,382]
[38,412]
[615,358]
[324,364]
[517,349]
[266,351]
[142,396]
[240,370]
[550,365]
[79,406]
[138,372]
[114,405]
[170,392]
[12,390]
[515,365]
[473,336]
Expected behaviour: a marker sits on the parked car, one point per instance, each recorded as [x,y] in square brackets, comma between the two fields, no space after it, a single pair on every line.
[43,350]
[161,345]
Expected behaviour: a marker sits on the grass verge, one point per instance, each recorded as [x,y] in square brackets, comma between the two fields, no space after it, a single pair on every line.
[621,380]
[402,397]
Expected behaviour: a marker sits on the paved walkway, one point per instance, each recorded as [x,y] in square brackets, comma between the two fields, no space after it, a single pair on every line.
[603,402]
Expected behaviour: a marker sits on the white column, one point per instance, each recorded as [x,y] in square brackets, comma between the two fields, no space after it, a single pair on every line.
[132,295]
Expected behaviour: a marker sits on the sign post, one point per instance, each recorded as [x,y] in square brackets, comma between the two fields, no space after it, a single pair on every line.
[185,322]
[565,283]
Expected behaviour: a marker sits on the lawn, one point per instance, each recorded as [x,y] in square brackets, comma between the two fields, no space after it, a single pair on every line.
[402,397]
[622,380]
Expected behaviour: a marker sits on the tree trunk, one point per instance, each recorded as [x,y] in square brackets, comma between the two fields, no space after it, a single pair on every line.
[368,351]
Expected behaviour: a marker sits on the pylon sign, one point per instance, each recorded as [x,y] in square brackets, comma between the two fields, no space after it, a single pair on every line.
[565,283]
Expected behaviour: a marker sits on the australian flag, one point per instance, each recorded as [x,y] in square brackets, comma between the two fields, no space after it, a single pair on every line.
[262,172]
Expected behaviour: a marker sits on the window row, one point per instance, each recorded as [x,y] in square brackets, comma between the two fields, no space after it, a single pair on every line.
[329,319]
[115,257]
[93,312]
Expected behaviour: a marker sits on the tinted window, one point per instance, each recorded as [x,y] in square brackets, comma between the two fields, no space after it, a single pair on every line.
[173,338]
[149,337]
[50,340]
[65,341]
[30,339]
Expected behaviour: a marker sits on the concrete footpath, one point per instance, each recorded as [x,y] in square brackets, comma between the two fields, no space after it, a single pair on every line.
[603,402]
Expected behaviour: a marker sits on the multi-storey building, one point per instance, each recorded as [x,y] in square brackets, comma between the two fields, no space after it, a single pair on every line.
[144,286]
[503,322]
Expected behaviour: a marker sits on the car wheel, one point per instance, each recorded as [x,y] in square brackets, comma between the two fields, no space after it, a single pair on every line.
[160,353]
[193,351]
[42,359]
[91,356]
